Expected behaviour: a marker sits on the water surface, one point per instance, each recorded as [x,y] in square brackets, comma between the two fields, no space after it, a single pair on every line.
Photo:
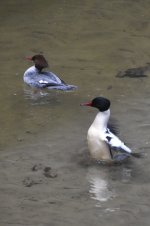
[86,43]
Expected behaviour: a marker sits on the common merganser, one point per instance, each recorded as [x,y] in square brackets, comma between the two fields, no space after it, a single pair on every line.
[102,143]
[35,77]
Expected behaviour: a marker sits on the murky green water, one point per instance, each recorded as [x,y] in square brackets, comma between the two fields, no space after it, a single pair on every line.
[86,43]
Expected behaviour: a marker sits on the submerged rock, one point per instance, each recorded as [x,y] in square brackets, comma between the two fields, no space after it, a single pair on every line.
[138,72]
[49,172]
[29,182]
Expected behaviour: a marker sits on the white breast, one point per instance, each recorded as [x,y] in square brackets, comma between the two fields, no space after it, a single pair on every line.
[98,148]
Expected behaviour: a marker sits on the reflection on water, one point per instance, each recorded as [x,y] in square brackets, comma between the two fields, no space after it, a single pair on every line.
[100,188]
[34,94]
[44,96]
[126,175]
[101,184]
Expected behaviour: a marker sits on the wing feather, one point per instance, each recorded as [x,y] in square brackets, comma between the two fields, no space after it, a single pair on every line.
[115,143]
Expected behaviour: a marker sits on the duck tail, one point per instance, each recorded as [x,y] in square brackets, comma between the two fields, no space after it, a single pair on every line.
[137,155]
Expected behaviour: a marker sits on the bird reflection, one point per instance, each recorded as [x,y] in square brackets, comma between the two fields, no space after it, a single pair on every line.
[100,188]
[34,94]
[101,183]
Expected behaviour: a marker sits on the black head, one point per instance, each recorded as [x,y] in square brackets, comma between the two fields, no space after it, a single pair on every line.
[39,61]
[102,103]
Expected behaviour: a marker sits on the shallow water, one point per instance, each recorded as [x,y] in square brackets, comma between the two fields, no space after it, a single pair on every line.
[87,43]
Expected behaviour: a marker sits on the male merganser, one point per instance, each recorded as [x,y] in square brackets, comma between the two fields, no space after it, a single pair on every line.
[103,144]
[35,77]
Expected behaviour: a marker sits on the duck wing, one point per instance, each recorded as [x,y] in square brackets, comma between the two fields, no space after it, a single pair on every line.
[44,79]
[115,143]
[113,126]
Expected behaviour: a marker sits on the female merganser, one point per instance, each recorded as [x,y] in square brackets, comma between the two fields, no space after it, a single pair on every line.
[35,77]
[103,144]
